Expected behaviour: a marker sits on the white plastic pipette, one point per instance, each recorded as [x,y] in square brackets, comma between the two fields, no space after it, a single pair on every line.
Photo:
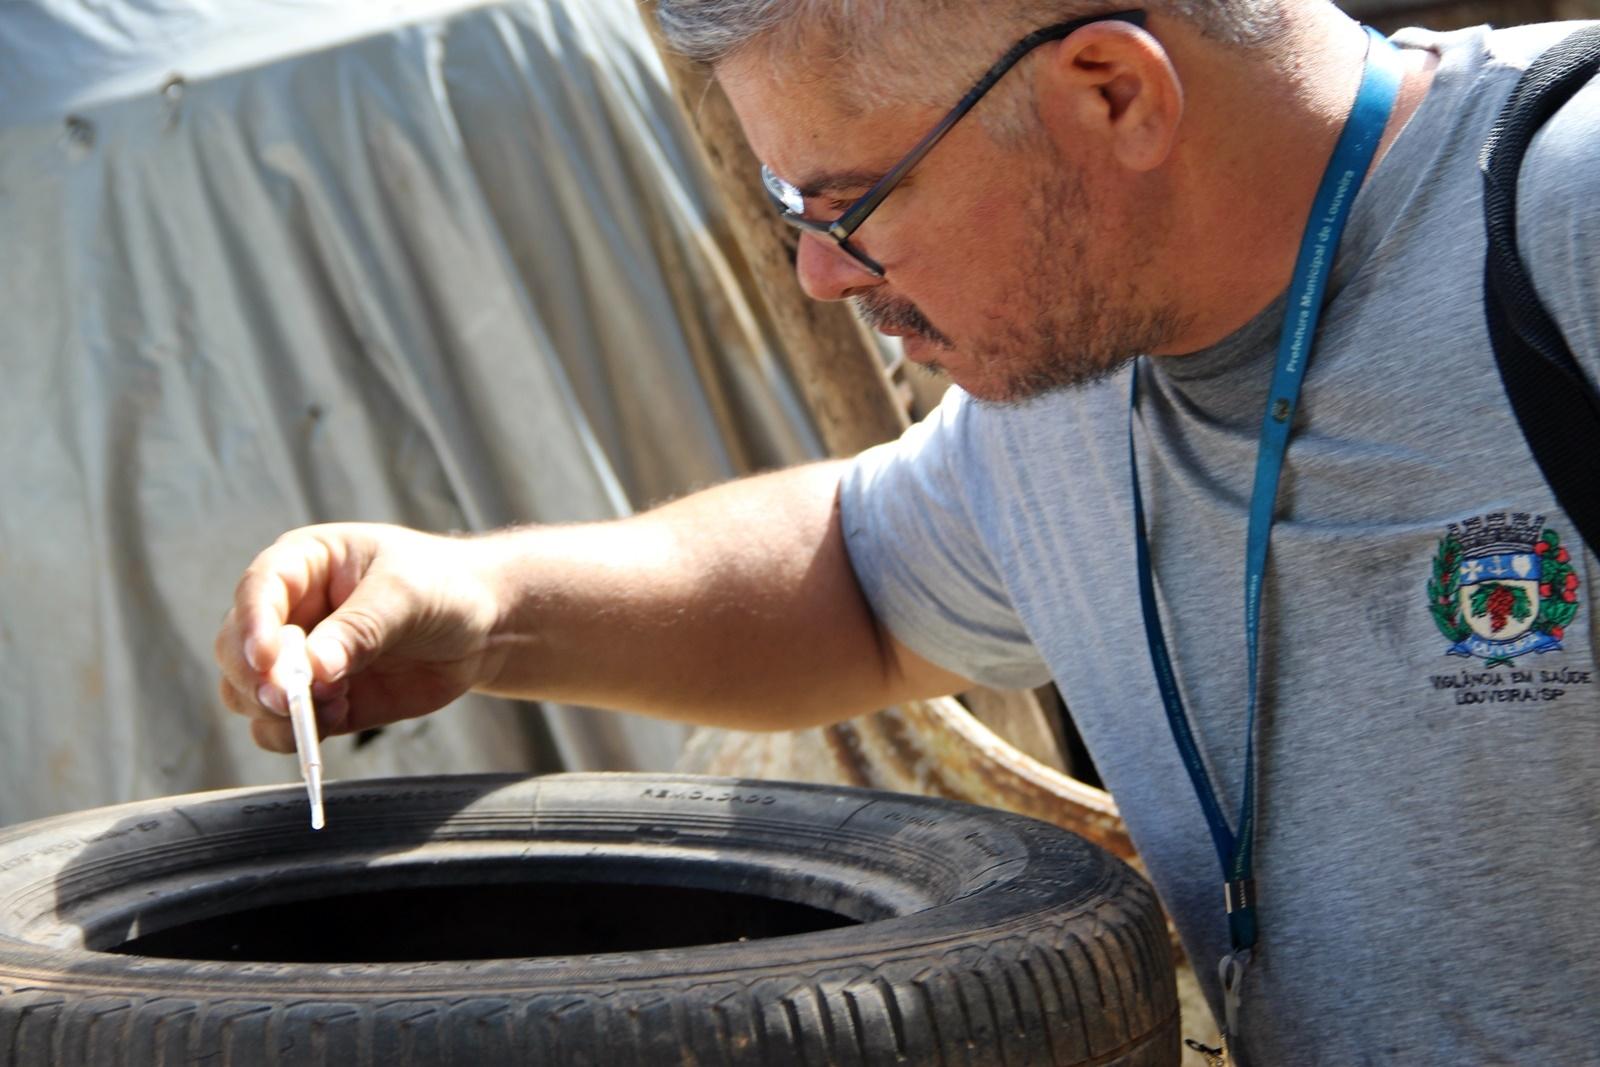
[292,674]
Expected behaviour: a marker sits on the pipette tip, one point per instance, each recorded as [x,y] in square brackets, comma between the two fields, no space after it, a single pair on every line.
[292,673]
[314,787]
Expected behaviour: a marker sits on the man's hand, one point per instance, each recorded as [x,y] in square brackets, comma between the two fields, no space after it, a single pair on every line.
[399,625]
[734,607]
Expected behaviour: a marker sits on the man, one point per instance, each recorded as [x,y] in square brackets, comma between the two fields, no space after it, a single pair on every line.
[1428,734]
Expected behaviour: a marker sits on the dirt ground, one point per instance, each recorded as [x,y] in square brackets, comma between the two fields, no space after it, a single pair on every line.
[1197,1020]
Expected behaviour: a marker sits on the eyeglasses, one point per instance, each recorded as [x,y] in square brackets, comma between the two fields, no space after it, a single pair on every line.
[791,202]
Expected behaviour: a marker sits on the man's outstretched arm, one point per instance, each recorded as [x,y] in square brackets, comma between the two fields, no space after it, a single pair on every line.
[736,607]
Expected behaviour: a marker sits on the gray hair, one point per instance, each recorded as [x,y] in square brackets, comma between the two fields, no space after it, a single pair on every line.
[879,51]
[712,30]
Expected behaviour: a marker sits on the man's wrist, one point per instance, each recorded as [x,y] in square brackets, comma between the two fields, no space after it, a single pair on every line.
[505,566]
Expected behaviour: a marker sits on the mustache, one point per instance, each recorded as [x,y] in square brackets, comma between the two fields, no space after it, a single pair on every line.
[885,313]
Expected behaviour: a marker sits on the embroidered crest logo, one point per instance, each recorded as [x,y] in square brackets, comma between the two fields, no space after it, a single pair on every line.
[1503,586]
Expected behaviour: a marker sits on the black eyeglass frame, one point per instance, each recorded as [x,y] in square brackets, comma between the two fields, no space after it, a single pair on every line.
[841,229]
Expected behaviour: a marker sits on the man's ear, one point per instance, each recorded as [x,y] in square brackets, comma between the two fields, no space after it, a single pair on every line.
[1112,87]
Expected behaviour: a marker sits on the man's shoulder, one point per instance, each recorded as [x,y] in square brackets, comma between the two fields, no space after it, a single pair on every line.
[1561,159]
[1488,50]
[1478,69]
[1557,194]
[1559,190]
[1491,59]
[1518,46]
[1560,162]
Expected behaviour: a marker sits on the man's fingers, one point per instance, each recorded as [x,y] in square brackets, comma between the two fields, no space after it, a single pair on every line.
[231,698]
[329,652]
[329,581]
[327,692]
[229,651]
[298,581]
[273,731]
[333,717]
[248,702]
[290,582]
[287,583]
[244,690]
[260,610]
[274,735]
[360,629]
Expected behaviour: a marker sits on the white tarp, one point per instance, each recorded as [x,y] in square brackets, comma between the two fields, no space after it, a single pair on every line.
[270,263]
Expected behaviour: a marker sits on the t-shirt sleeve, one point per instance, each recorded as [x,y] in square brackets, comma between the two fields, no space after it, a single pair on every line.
[920,558]
[1558,222]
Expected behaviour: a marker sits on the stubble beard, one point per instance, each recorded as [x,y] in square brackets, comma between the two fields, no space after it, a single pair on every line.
[1070,322]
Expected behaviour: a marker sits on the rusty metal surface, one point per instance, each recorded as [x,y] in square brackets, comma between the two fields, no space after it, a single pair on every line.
[935,748]
[1019,717]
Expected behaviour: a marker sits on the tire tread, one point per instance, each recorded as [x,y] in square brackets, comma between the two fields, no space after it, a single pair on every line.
[1085,981]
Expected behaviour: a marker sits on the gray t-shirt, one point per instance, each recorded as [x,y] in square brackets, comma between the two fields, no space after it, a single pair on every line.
[1429,832]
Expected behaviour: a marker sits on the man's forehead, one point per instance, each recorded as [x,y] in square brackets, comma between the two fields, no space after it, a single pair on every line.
[798,125]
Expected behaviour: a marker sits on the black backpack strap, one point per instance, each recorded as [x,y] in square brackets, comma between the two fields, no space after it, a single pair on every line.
[1555,403]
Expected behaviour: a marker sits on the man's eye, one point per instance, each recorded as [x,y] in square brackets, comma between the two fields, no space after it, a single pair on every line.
[831,207]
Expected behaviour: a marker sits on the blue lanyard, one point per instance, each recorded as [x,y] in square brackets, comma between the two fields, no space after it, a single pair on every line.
[1329,212]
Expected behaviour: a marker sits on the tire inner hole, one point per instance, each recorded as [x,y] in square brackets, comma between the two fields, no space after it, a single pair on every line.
[482,922]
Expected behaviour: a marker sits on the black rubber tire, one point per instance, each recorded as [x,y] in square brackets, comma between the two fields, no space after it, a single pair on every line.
[982,937]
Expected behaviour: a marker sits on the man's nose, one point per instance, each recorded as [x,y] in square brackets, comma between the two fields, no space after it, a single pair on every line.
[827,272]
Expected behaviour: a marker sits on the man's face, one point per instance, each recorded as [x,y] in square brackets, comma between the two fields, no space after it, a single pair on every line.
[1007,266]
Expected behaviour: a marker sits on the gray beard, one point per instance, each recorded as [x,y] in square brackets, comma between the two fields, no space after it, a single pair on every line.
[1087,326]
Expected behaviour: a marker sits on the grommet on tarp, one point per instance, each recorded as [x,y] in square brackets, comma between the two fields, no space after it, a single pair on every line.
[80,133]
[172,93]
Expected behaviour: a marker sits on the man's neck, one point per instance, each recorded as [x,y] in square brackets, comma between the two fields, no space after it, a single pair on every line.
[1260,144]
